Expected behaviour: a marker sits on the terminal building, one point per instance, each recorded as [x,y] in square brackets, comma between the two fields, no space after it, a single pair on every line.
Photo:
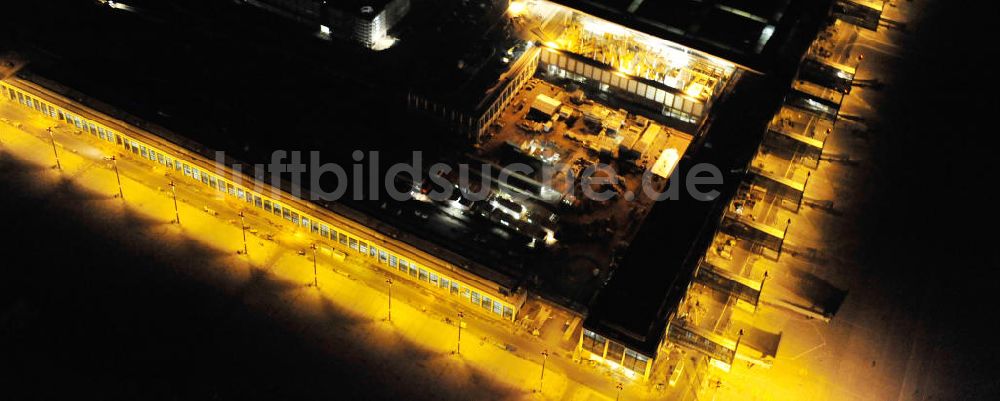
[646,83]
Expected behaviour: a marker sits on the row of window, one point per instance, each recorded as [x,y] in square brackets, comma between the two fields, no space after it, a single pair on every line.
[614,352]
[332,233]
[674,105]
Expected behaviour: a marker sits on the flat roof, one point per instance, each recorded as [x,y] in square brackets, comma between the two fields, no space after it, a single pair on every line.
[751,33]
[652,277]
[249,94]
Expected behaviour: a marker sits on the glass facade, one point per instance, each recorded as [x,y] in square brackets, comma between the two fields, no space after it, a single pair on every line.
[613,352]
[335,235]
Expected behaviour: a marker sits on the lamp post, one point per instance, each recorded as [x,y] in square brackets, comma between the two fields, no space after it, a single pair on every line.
[177,213]
[619,386]
[541,379]
[760,292]
[315,279]
[389,282]
[52,138]
[461,320]
[114,162]
[736,347]
[243,226]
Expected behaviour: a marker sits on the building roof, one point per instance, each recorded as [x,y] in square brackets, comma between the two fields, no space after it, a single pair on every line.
[750,33]
[651,280]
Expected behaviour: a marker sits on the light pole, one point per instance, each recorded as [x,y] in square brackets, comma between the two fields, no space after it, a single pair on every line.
[177,213]
[760,292]
[54,151]
[243,226]
[114,161]
[541,379]
[389,282]
[315,279]
[619,386]
[736,347]
[461,320]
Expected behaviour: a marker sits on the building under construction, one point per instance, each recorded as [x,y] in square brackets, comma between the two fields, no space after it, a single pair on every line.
[654,85]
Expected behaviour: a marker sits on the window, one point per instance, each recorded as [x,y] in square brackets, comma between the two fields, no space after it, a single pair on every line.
[392,262]
[445,283]
[433,278]
[413,269]
[372,251]
[487,303]
[257,201]
[454,288]
[195,174]
[286,213]
[142,151]
[637,363]
[382,256]
[343,239]
[475,298]
[497,308]
[354,244]
[277,210]
[204,178]
[593,342]
[363,247]
[423,275]
[267,206]
[615,352]
[324,231]
[508,313]
[403,265]
[231,188]
[305,222]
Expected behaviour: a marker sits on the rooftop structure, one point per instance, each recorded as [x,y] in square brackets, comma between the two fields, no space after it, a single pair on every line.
[752,34]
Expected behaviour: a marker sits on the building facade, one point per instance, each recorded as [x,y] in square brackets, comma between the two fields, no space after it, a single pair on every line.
[331,230]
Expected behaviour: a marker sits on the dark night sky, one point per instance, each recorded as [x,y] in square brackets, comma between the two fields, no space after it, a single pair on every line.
[86,314]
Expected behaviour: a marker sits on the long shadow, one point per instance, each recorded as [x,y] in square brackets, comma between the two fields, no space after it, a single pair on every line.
[94,306]
[823,295]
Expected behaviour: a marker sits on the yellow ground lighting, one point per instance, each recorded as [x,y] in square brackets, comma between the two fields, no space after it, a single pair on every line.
[516,8]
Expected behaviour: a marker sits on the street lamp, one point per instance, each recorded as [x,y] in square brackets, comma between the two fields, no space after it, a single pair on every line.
[243,226]
[177,214]
[54,151]
[541,379]
[736,347]
[114,161]
[619,386]
[389,282]
[461,320]
[315,280]
[760,291]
